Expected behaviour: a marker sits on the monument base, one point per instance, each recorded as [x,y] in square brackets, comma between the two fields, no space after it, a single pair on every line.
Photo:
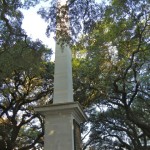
[62,130]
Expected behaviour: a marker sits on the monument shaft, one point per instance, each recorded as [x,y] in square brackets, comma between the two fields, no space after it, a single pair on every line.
[63,117]
[63,86]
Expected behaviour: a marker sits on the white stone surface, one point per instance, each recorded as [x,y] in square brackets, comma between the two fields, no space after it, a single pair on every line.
[59,132]
[63,86]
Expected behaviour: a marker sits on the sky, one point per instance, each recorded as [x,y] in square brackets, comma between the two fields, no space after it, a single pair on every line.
[35,27]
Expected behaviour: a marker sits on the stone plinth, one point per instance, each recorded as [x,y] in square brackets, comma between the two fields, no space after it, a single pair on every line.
[59,125]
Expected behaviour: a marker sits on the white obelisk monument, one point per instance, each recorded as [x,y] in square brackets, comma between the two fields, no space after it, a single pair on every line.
[63,117]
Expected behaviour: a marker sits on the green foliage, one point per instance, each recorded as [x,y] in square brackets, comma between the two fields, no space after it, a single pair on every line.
[24,80]
[82,17]
[112,78]
[19,94]
[22,57]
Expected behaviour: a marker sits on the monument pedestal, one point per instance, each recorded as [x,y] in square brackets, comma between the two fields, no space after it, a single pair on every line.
[62,130]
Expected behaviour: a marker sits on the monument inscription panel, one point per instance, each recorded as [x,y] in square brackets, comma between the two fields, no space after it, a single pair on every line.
[77,136]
